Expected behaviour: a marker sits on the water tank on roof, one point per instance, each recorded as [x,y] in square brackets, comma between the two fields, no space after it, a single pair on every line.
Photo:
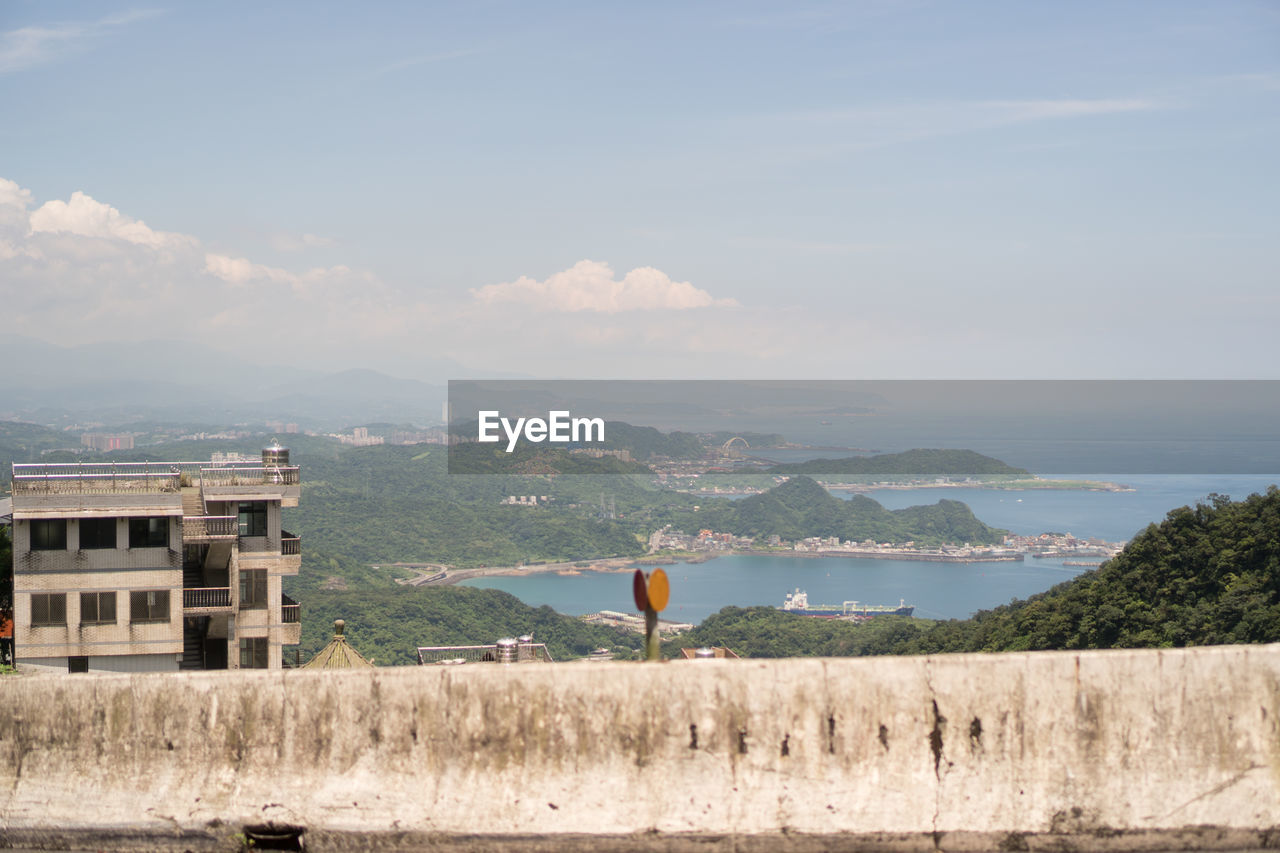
[508,650]
[275,456]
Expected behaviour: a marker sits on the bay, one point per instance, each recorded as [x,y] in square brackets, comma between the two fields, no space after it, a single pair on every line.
[938,590]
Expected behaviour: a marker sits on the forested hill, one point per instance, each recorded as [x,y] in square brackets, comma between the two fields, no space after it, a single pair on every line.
[387,625]
[1205,575]
[801,508]
[911,463]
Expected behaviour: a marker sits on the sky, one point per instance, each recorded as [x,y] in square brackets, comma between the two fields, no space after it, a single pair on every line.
[851,190]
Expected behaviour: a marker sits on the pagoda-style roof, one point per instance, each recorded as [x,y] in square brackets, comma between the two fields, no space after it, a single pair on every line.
[337,655]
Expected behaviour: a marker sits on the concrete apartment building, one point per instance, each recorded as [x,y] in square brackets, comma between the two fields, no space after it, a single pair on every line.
[152,567]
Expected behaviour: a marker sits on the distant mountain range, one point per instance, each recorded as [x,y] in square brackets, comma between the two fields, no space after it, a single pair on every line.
[120,383]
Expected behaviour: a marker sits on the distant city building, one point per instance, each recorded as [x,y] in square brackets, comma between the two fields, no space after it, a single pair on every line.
[428,436]
[595,453]
[525,500]
[101,441]
[142,567]
[219,458]
[360,438]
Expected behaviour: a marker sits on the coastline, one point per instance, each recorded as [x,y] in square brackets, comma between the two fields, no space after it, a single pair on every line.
[447,576]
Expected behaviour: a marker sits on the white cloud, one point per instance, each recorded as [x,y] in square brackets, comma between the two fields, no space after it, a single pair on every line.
[29,46]
[83,271]
[12,195]
[14,201]
[591,286]
[240,271]
[85,216]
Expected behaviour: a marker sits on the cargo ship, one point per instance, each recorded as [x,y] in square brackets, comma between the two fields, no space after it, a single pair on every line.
[798,602]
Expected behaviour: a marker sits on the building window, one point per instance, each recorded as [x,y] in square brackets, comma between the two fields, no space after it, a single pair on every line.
[49,534]
[253,589]
[48,608]
[78,664]
[253,518]
[151,605]
[149,532]
[97,608]
[97,533]
[253,653]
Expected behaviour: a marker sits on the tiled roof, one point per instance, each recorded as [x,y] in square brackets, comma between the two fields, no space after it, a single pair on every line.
[337,655]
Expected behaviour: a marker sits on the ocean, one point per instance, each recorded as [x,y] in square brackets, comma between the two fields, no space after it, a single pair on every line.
[938,590]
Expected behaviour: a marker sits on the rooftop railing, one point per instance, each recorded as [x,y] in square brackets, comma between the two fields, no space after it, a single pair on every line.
[257,475]
[95,478]
[89,478]
[492,653]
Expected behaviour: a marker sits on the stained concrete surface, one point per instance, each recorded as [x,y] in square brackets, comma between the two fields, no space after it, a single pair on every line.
[1119,750]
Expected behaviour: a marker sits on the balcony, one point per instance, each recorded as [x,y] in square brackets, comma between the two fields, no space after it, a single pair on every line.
[289,610]
[290,545]
[214,599]
[209,528]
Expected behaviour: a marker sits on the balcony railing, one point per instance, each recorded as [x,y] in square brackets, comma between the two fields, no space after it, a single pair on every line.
[89,478]
[207,598]
[290,545]
[492,653]
[289,610]
[209,528]
[249,476]
[95,478]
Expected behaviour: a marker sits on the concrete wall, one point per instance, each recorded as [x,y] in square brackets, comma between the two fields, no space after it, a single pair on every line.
[110,663]
[1102,750]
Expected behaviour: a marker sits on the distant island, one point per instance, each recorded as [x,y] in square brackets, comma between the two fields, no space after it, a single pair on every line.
[801,508]
[910,463]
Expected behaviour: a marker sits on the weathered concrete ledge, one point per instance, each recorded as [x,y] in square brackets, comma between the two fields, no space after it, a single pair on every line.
[1126,750]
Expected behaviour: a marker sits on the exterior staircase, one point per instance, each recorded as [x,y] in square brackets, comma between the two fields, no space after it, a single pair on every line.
[193,631]
[192,503]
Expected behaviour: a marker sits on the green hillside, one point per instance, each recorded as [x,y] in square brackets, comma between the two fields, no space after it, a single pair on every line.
[388,625]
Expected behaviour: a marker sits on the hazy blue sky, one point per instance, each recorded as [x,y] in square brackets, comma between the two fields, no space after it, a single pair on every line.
[843,190]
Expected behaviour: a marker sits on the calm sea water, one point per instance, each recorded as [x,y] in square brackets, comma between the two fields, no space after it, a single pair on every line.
[938,590]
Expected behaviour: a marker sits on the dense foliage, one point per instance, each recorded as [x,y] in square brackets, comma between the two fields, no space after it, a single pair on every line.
[1205,575]
[21,442]
[766,632]
[801,508]
[388,625]
[911,463]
